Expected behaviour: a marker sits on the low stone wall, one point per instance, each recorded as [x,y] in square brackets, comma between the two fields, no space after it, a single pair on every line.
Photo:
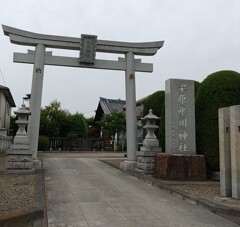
[180,167]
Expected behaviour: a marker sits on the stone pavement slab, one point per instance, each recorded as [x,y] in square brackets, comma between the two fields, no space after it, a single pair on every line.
[88,192]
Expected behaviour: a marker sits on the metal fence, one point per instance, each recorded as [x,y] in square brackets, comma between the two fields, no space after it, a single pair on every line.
[82,144]
[5,143]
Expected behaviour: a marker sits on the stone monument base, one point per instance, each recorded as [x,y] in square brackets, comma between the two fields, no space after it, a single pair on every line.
[128,166]
[180,167]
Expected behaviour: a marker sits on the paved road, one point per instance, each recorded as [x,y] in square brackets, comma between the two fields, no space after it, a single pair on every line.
[88,192]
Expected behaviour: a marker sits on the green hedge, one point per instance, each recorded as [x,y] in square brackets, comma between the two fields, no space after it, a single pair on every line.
[43,143]
[220,89]
[161,131]
[154,102]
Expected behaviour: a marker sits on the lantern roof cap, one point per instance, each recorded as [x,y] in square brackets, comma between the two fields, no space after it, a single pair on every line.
[23,110]
[151,116]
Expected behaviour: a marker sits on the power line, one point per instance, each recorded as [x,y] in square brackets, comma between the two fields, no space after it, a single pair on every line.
[90,111]
[2,77]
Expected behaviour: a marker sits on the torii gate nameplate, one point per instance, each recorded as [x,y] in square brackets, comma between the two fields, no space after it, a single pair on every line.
[88,49]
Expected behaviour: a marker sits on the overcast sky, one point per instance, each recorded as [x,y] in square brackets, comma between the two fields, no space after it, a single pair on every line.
[201,37]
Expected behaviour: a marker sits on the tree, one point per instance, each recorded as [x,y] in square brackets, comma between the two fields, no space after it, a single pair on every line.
[113,123]
[93,130]
[54,121]
[78,126]
[13,125]
[89,121]
[220,89]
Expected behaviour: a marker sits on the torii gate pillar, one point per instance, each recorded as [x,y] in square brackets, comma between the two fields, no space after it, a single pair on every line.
[131,120]
[36,98]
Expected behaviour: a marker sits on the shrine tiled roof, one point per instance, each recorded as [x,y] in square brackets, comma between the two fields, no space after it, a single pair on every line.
[7,93]
[108,105]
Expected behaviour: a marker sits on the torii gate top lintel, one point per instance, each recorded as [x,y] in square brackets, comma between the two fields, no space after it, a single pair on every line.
[21,37]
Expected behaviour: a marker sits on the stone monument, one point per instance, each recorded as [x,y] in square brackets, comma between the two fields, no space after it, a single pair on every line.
[147,154]
[229,147]
[180,161]
[19,157]
[180,117]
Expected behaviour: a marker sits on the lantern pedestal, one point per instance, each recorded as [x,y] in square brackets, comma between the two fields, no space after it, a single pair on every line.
[146,161]
[19,157]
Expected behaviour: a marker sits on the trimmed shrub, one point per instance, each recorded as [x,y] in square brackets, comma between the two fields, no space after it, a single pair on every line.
[43,143]
[220,89]
[161,134]
[196,86]
[154,102]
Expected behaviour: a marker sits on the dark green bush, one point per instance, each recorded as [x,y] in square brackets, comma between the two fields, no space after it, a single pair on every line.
[43,143]
[196,86]
[220,89]
[161,131]
[154,102]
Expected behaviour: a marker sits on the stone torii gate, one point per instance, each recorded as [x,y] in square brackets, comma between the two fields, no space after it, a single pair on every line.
[87,45]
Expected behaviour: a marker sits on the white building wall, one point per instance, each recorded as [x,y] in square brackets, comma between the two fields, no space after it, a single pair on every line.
[2,109]
[5,112]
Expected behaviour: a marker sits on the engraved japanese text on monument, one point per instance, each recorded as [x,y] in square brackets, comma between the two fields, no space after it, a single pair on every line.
[182,121]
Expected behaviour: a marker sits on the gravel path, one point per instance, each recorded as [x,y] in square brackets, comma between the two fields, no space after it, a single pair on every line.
[16,191]
[210,192]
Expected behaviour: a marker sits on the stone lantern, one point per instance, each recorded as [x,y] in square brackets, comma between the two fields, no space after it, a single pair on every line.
[147,153]
[19,157]
[151,140]
[21,135]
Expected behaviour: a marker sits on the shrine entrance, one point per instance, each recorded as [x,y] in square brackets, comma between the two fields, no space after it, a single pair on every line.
[87,46]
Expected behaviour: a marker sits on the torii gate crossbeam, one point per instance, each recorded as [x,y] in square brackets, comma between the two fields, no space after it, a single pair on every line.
[87,45]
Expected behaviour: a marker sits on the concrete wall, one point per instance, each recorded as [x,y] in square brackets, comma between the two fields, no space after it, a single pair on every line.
[235,150]
[225,151]
[229,148]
